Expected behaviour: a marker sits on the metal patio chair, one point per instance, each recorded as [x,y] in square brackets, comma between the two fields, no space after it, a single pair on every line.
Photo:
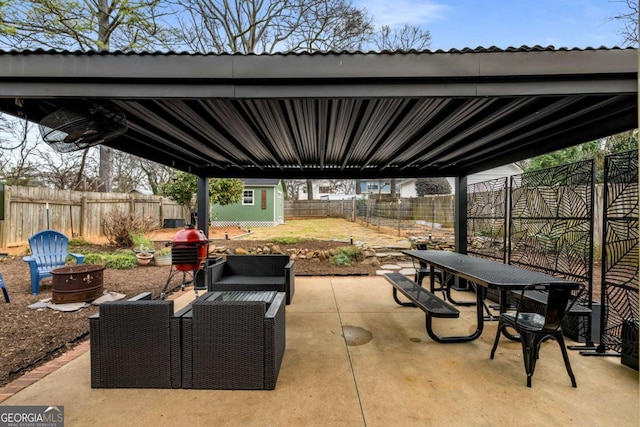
[535,328]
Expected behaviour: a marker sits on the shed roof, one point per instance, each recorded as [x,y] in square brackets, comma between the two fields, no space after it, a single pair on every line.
[260,182]
[338,114]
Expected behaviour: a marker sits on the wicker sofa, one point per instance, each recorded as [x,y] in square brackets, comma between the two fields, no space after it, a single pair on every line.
[135,344]
[253,273]
[233,341]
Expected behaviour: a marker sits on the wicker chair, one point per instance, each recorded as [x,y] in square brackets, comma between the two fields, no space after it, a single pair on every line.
[254,273]
[135,344]
[233,345]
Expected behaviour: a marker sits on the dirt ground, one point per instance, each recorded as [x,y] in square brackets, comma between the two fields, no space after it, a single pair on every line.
[30,337]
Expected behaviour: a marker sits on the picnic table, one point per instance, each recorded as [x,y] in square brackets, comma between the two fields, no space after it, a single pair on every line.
[484,273]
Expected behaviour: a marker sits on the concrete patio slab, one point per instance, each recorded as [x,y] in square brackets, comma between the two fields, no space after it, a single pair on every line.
[397,377]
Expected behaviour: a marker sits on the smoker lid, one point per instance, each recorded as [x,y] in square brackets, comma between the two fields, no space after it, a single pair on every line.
[189,235]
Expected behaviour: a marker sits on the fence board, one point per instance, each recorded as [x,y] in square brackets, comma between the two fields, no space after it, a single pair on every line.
[74,213]
[436,210]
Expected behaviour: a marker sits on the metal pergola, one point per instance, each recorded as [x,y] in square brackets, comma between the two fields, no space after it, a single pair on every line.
[337,114]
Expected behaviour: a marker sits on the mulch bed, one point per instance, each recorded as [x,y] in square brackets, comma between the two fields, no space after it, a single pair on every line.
[29,338]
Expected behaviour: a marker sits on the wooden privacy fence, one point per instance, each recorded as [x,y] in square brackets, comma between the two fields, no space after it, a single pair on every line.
[27,210]
[436,210]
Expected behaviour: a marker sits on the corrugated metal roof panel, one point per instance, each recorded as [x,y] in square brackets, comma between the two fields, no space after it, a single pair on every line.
[260,182]
[332,114]
[465,50]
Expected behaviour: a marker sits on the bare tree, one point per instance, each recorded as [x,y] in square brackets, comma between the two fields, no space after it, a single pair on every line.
[127,173]
[344,186]
[68,171]
[16,166]
[404,38]
[629,21]
[155,174]
[293,188]
[18,169]
[134,173]
[86,25]
[278,25]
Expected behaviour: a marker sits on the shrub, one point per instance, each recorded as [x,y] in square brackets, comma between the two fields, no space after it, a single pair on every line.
[341,259]
[121,261]
[437,185]
[77,243]
[346,255]
[117,261]
[140,241]
[118,226]
[95,259]
[164,251]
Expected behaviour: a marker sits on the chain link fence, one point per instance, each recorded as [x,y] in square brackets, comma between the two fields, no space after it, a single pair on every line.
[429,215]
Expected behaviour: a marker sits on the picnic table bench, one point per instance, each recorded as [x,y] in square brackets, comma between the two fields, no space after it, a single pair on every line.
[431,304]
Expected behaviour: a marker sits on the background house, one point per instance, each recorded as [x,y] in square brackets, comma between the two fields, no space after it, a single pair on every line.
[408,186]
[328,189]
[262,205]
[375,187]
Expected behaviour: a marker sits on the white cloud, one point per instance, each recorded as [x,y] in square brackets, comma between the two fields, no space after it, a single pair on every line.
[400,12]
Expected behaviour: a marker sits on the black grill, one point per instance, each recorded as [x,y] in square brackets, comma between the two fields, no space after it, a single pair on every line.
[184,255]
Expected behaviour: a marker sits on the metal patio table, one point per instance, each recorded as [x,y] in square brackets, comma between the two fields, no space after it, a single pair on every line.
[486,274]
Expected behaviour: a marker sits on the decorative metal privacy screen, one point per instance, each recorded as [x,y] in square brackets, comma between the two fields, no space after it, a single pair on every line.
[620,248]
[551,225]
[487,219]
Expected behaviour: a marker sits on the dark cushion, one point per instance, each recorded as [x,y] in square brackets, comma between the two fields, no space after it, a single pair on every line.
[252,280]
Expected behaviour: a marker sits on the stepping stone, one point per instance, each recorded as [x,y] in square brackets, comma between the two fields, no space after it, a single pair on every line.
[389,254]
[408,271]
[390,267]
[406,265]
[381,272]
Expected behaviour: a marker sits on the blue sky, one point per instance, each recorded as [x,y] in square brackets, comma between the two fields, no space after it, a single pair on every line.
[503,23]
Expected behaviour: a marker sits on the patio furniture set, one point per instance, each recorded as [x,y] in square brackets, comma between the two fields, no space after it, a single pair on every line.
[531,328]
[232,338]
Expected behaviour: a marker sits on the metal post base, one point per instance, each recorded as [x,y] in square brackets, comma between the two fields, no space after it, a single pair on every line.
[586,346]
[596,353]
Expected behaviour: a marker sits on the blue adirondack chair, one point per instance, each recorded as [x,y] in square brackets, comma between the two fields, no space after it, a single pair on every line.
[48,252]
[4,289]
